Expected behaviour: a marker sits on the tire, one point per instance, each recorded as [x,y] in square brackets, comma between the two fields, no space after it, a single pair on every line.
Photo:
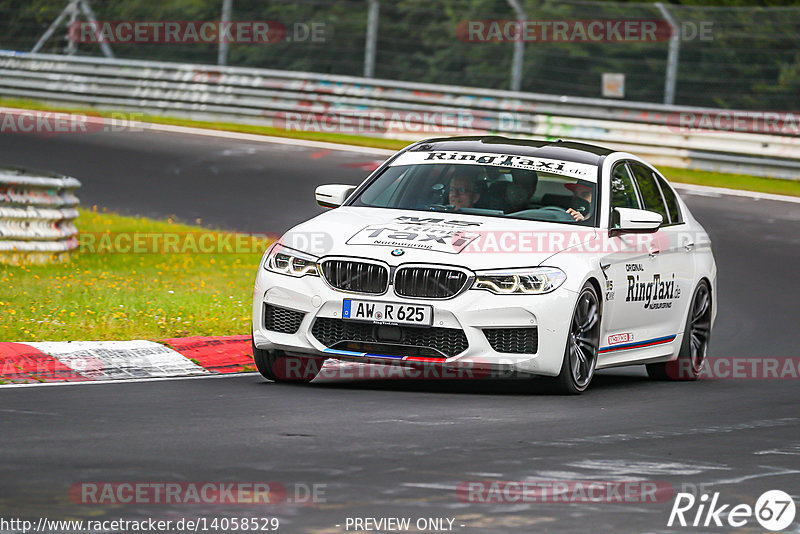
[583,340]
[276,366]
[694,347]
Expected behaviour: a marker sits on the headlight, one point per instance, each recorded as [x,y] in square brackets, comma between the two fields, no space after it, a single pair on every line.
[533,281]
[284,260]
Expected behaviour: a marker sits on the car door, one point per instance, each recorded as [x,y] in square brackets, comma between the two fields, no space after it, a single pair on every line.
[667,285]
[626,260]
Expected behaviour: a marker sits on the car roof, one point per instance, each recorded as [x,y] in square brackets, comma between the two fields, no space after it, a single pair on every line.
[561,150]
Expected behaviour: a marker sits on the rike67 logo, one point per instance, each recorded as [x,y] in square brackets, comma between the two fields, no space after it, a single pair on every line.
[774,510]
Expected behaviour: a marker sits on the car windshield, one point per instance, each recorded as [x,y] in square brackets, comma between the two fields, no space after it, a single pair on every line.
[532,189]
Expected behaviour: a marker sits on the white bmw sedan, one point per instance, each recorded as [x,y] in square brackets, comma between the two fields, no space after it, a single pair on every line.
[502,256]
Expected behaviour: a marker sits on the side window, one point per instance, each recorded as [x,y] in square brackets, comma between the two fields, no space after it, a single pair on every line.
[623,195]
[651,194]
[669,198]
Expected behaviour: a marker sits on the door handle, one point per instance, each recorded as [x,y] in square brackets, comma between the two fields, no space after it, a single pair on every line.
[688,246]
[653,253]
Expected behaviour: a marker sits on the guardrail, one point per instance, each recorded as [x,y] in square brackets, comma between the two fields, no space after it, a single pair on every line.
[300,100]
[37,211]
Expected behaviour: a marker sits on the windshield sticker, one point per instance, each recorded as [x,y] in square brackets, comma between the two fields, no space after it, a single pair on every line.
[582,171]
[405,219]
[438,238]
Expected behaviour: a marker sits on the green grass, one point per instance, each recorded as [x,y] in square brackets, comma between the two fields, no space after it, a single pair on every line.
[733,181]
[689,176]
[105,296]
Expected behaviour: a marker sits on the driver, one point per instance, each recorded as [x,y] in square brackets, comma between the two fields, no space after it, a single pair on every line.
[582,200]
[464,186]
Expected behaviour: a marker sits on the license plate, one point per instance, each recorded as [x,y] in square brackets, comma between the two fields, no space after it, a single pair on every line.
[387,312]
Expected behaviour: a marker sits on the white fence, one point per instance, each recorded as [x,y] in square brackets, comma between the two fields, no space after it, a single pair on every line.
[36,215]
[667,135]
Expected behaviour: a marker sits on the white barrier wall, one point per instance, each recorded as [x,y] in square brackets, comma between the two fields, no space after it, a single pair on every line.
[715,139]
[37,211]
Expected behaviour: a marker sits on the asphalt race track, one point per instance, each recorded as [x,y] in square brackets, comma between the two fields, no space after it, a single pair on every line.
[400,449]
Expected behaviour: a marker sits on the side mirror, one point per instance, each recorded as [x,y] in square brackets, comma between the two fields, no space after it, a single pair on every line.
[633,221]
[333,195]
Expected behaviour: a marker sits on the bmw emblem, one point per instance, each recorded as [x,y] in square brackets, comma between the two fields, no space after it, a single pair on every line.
[398,252]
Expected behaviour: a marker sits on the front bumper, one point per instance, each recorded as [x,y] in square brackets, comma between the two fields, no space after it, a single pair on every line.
[471,311]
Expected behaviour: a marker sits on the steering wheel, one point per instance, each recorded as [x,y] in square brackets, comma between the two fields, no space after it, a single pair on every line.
[561,212]
[441,207]
[581,206]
